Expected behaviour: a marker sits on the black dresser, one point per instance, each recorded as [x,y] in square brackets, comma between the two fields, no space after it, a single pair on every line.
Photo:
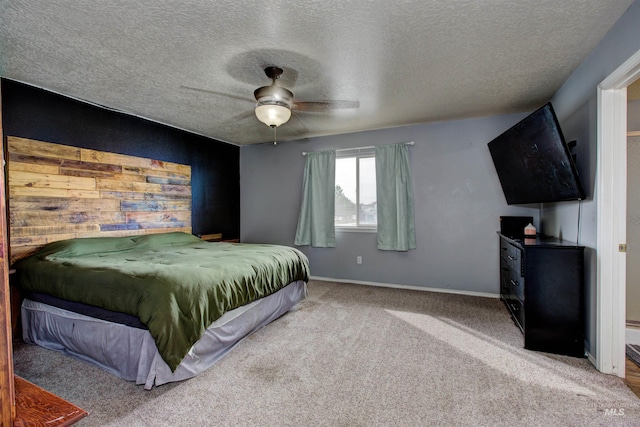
[542,285]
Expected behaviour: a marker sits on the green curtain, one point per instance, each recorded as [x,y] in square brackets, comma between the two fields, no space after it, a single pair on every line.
[396,225]
[316,220]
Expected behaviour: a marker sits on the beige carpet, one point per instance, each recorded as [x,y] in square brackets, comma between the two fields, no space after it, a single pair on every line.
[353,355]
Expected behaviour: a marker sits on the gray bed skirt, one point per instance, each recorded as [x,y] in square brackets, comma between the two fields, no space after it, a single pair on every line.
[131,354]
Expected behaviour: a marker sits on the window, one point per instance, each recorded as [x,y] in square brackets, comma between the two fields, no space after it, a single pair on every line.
[356,206]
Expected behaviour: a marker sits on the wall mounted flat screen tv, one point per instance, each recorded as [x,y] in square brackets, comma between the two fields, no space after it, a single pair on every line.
[534,163]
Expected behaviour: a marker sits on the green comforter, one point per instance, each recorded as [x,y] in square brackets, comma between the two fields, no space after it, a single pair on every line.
[176,284]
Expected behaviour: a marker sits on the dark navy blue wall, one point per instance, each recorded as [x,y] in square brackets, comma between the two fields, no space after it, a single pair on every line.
[35,113]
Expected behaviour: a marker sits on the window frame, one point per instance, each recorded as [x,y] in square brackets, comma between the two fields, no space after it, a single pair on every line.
[357,153]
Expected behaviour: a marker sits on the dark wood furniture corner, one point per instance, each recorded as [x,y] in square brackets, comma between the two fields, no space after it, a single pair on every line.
[37,407]
[16,302]
[217,237]
[541,283]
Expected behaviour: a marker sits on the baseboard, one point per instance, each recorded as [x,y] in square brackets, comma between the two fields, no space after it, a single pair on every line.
[632,335]
[590,358]
[414,288]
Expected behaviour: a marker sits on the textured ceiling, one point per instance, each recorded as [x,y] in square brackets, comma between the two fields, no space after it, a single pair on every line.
[403,61]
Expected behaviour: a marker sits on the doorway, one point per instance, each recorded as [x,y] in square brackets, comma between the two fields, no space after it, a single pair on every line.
[632,333]
[611,188]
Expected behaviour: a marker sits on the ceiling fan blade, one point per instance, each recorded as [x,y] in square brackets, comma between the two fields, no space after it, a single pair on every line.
[320,106]
[242,98]
[301,123]
[241,116]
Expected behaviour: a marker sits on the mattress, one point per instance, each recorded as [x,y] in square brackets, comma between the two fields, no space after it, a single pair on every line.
[174,283]
[130,352]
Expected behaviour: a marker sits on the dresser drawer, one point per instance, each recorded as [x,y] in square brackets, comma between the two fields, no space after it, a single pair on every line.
[517,311]
[505,248]
[512,256]
[505,279]
[516,286]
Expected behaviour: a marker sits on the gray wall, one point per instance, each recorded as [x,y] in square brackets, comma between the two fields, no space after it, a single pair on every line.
[576,106]
[458,197]
[458,202]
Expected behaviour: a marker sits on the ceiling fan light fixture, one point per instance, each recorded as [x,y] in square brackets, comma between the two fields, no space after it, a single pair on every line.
[273,114]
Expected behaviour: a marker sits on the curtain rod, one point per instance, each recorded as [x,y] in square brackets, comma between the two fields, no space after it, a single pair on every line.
[304,153]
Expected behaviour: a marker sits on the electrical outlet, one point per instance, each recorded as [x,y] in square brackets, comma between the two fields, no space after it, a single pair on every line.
[358,259]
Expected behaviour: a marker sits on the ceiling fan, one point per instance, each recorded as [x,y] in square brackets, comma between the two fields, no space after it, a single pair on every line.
[275,104]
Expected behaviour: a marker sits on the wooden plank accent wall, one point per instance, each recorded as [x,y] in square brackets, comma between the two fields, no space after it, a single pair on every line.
[59,192]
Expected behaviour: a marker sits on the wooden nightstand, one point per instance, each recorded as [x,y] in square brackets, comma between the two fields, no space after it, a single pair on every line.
[217,237]
[37,407]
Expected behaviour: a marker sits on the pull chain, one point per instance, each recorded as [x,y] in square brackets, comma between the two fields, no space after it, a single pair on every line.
[275,139]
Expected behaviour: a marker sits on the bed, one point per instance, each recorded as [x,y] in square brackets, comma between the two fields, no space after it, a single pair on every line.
[155,308]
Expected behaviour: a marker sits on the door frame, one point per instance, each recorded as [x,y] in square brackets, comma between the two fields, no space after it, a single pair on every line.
[611,195]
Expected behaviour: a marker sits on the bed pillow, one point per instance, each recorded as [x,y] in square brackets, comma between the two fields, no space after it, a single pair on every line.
[94,245]
[85,246]
[164,239]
